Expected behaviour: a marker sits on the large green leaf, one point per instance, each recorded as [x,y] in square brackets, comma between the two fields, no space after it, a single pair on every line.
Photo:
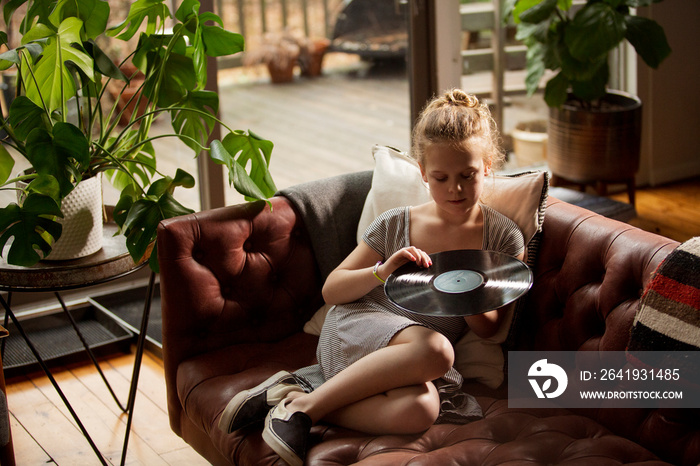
[239,150]
[58,154]
[238,177]
[648,39]
[579,70]
[218,42]
[522,5]
[143,218]
[25,116]
[175,83]
[40,10]
[30,229]
[168,184]
[93,13]
[595,30]
[187,10]
[195,124]
[54,79]
[531,33]
[71,144]
[103,64]
[539,12]
[595,87]
[46,185]
[535,67]
[6,165]
[556,90]
[155,12]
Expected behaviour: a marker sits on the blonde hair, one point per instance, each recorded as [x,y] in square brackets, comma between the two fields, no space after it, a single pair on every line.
[457,118]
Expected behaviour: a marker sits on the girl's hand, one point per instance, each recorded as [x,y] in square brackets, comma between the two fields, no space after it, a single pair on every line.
[404,256]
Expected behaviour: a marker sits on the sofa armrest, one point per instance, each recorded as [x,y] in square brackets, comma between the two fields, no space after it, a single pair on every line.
[590,273]
[238,274]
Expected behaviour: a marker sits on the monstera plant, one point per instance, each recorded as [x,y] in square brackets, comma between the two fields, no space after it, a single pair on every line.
[65,124]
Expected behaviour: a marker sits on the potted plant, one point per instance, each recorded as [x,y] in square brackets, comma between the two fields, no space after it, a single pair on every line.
[280,52]
[594,132]
[312,52]
[64,123]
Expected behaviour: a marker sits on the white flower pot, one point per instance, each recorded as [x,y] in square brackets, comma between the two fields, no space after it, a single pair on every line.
[530,143]
[82,222]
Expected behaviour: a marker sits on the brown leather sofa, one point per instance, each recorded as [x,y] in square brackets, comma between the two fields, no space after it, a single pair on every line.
[238,284]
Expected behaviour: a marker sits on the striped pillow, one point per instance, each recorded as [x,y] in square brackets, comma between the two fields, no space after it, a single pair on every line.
[668,318]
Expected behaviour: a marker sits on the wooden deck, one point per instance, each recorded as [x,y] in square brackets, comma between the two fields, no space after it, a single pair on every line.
[320,127]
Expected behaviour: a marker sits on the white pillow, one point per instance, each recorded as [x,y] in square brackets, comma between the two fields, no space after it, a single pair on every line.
[315,324]
[397,182]
[482,359]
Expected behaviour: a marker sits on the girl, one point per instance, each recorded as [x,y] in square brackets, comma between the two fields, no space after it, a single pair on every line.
[386,370]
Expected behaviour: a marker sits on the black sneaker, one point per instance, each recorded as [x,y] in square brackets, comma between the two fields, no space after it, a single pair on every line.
[253,404]
[287,434]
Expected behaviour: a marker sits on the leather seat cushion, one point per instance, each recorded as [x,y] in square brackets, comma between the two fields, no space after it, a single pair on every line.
[540,436]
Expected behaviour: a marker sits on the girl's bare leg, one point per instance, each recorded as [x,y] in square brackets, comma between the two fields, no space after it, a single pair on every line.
[404,410]
[389,389]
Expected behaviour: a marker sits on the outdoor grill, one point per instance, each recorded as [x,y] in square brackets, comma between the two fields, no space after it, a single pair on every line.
[372,29]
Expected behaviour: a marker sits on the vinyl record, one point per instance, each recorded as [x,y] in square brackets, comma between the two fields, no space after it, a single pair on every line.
[459,283]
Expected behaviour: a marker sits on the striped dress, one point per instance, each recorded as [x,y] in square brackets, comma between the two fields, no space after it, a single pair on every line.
[356,329]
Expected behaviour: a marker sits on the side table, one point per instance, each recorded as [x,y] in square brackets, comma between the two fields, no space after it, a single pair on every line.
[111,262]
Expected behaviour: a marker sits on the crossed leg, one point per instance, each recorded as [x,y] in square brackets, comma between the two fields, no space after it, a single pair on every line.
[387,391]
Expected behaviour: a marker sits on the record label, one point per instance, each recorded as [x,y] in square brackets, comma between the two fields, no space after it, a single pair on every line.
[459,283]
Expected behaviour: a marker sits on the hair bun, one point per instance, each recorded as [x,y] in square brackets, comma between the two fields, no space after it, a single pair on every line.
[459,97]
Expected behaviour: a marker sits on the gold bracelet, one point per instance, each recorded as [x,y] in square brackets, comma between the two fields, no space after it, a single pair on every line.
[376,268]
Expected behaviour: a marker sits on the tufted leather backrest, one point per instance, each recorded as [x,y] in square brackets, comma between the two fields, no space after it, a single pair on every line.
[240,274]
[588,277]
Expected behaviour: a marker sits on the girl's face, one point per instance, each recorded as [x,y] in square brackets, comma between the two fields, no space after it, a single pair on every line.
[455,176]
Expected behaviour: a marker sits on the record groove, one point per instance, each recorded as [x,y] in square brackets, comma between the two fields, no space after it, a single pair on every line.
[459,283]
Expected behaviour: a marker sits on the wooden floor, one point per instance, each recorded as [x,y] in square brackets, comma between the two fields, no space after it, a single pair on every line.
[43,430]
[672,210]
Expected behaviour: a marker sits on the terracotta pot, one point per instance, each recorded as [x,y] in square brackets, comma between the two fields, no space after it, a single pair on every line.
[281,74]
[312,63]
[599,145]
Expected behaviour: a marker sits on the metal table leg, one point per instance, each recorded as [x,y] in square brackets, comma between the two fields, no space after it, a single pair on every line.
[89,350]
[8,312]
[137,362]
